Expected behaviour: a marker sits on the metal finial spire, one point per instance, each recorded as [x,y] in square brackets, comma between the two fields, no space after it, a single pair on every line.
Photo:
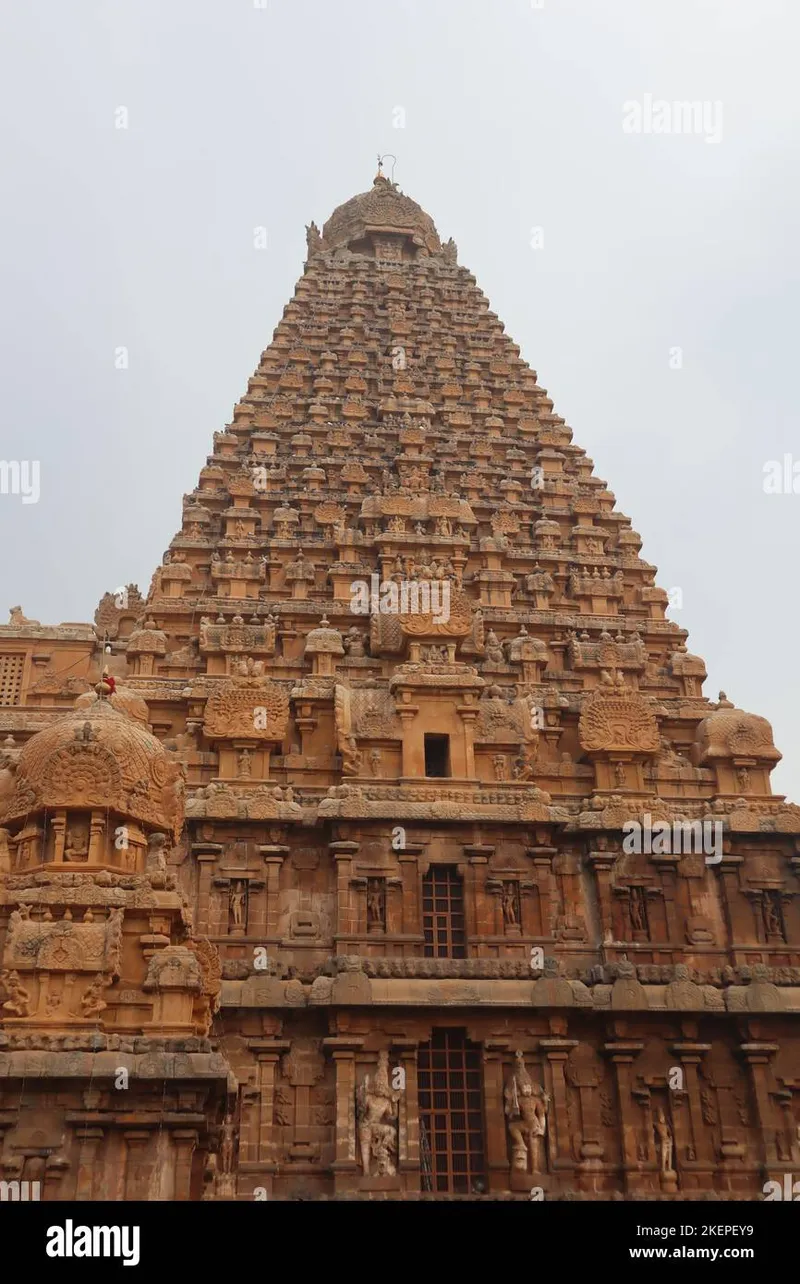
[380,165]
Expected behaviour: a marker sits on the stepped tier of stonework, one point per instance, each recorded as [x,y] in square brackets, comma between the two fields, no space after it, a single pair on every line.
[397,853]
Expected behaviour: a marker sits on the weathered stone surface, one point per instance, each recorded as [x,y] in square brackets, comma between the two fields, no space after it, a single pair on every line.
[398,784]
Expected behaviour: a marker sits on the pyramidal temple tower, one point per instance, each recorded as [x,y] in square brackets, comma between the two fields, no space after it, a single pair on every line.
[390,848]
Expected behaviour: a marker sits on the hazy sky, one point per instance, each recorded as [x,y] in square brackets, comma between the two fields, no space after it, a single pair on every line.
[658,298]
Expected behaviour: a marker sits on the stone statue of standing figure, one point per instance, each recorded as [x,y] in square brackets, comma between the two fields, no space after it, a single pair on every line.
[526,1111]
[376,1109]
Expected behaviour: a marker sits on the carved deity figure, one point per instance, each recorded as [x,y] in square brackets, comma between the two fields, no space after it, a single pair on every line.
[92,1003]
[494,651]
[526,1110]
[313,239]
[227,1145]
[354,643]
[156,854]
[509,902]
[238,899]
[376,1109]
[77,845]
[351,756]
[19,1000]
[499,764]
[375,761]
[636,907]
[664,1142]
[743,779]
[772,920]
[524,765]
[244,764]
[375,911]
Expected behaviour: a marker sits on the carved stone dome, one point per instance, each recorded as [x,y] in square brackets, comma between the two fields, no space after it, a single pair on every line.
[732,733]
[98,757]
[383,209]
[324,639]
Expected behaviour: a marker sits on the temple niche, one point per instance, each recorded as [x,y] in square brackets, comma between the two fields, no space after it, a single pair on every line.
[389,844]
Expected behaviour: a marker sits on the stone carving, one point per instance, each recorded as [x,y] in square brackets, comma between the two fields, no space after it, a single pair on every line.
[376,904]
[526,1111]
[664,1142]
[18,1002]
[92,1002]
[346,742]
[510,902]
[76,846]
[62,945]
[238,905]
[615,719]
[247,708]
[376,1113]
[17,620]
[98,756]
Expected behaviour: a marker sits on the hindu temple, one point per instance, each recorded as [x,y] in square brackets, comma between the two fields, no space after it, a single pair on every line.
[388,847]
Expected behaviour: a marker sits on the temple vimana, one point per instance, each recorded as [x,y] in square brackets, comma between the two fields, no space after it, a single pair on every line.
[388,848]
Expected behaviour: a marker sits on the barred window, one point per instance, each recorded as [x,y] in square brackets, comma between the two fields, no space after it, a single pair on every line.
[443,913]
[451,1115]
[11,667]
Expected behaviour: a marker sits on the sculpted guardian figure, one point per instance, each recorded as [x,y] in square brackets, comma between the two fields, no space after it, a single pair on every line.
[526,1110]
[376,1109]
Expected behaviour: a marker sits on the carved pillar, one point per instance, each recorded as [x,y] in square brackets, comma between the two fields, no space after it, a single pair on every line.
[96,838]
[542,858]
[557,1050]
[408,859]
[343,854]
[394,906]
[138,1166]
[91,1140]
[185,1141]
[343,1050]
[498,1163]
[408,1132]
[59,824]
[274,857]
[758,1057]
[469,715]
[623,1053]
[477,911]
[249,1122]
[738,913]
[206,855]
[602,863]
[268,1053]
[698,1149]
[666,864]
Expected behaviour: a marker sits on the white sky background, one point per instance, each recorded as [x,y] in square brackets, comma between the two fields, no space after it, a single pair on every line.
[241,117]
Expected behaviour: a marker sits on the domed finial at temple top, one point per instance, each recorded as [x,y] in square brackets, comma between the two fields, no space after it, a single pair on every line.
[106,686]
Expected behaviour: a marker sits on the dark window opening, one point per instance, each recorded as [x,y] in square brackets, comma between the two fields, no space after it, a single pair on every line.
[437,756]
[443,913]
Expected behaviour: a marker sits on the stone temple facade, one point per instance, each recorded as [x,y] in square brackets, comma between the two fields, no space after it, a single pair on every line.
[389,848]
